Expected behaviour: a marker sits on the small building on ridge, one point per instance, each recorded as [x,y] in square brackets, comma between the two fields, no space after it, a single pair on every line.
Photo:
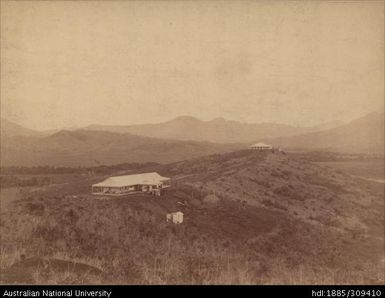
[261,146]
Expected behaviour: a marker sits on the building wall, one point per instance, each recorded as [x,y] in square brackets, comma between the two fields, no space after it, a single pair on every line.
[176,217]
[155,189]
[262,148]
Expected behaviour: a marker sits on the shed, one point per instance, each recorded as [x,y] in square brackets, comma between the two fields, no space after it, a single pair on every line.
[175,217]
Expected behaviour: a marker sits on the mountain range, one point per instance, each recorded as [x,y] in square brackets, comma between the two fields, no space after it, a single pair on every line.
[92,148]
[178,139]
[218,130]
[10,129]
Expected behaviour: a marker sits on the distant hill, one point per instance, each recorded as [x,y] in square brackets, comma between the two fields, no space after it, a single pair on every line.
[178,139]
[92,148]
[10,129]
[218,130]
[363,135]
[326,125]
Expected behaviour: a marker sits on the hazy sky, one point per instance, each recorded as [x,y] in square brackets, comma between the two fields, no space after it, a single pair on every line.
[302,63]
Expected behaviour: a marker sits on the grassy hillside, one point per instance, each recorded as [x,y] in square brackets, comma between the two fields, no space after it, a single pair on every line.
[363,135]
[374,169]
[270,218]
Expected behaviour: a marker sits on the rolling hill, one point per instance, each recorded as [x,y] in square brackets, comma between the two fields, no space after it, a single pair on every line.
[249,218]
[10,129]
[363,135]
[87,148]
[169,141]
[218,130]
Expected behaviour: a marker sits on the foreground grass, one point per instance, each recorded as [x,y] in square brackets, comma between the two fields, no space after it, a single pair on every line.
[131,245]
[278,221]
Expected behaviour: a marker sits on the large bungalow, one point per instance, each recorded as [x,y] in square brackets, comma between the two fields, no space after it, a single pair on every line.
[151,183]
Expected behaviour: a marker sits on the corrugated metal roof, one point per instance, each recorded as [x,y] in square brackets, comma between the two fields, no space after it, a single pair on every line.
[145,178]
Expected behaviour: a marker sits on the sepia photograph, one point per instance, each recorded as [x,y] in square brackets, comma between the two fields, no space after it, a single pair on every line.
[191,143]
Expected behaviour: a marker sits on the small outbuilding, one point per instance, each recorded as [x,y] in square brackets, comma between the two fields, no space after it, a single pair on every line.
[175,217]
[261,146]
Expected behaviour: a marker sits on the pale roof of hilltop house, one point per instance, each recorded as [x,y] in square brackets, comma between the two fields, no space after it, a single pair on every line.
[145,178]
[260,144]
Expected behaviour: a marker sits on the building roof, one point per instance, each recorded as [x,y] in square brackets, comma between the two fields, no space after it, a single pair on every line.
[260,144]
[175,213]
[145,178]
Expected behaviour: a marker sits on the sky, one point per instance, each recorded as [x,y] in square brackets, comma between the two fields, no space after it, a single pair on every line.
[66,64]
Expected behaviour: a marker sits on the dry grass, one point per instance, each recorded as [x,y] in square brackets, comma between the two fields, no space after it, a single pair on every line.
[233,241]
